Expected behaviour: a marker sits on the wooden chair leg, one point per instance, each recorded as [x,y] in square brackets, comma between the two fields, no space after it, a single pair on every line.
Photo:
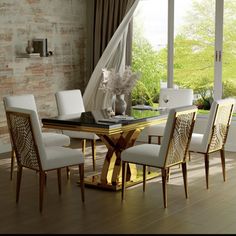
[83,146]
[158,142]
[81,175]
[144,178]
[222,155]
[207,169]
[41,189]
[59,180]
[124,172]
[184,171]
[93,145]
[45,178]
[18,184]
[68,172]
[167,174]
[164,185]
[12,163]
[149,141]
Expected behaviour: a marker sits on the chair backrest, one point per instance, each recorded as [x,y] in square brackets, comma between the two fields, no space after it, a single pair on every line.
[170,97]
[177,135]
[218,124]
[26,101]
[69,102]
[26,136]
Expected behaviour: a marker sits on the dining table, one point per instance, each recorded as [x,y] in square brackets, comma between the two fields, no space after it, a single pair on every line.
[117,133]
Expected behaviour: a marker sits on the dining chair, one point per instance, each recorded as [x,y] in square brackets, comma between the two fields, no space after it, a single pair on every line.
[27,101]
[171,152]
[31,152]
[169,98]
[71,102]
[215,135]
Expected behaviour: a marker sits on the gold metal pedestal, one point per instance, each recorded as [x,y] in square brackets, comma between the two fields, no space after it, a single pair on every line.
[95,182]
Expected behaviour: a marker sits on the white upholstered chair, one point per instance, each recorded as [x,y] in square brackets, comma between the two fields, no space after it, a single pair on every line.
[171,152]
[32,153]
[215,135]
[71,102]
[27,101]
[169,98]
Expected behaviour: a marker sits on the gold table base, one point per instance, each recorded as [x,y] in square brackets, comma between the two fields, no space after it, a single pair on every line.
[116,139]
[95,182]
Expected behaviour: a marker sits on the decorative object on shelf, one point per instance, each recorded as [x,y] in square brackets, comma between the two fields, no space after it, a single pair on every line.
[29,49]
[40,46]
[28,55]
[119,86]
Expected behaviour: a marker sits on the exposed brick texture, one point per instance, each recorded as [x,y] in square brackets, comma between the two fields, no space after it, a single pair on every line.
[63,23]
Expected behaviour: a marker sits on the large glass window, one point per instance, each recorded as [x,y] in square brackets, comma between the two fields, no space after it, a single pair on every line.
[229,49]
[150,50]
[203,56]
[194,44]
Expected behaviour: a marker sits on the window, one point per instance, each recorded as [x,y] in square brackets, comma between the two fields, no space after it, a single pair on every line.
[149,50]
[229,49]
[191,54]
[194,48]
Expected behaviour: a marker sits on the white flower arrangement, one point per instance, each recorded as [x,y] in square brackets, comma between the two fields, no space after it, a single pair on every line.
[119,84]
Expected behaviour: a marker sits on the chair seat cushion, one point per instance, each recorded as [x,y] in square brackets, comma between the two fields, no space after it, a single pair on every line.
[142,154]
[57,157]
[156,130]
[80,134]
[55,139]
[196,144]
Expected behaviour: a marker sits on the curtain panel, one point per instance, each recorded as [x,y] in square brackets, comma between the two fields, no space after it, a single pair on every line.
[107,18]
[111,27]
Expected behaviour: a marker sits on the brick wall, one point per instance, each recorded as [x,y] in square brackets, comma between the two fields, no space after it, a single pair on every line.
[62,22]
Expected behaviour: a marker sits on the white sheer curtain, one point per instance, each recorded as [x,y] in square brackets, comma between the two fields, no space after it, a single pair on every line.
[112,57]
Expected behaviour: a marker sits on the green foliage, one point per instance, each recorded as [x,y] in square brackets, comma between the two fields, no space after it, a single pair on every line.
[229,87]
[193,56]
[152,66]
[141,95]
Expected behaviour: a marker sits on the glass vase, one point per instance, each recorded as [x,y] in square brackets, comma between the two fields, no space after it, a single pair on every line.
[119,104]
[29,49]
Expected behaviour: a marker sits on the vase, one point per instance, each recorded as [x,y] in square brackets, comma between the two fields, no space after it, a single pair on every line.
[29,49]
[119,105]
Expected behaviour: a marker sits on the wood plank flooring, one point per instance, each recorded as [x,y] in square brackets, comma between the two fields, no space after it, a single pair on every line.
[210,211]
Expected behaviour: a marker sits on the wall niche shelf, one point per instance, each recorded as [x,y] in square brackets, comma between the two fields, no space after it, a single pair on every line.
[32,55]
[28,55]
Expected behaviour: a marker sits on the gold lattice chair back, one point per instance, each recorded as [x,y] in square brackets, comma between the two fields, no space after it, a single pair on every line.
[177,135]
[172,151]
[21,132]
[27,101]
[220,127]
[32,153]
[215,135]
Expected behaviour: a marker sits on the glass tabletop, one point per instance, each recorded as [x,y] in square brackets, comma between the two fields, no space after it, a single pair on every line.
[104,118]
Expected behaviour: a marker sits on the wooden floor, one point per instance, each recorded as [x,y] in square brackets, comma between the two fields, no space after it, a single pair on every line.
[210,211]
